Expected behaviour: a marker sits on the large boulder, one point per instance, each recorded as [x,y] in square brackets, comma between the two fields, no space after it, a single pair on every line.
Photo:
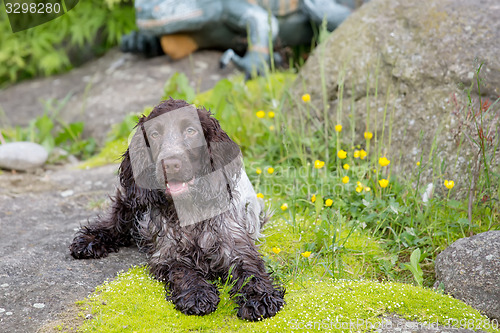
[470,271]
[414,58]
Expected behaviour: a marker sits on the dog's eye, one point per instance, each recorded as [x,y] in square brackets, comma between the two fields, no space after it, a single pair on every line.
[191,131]
[155,135]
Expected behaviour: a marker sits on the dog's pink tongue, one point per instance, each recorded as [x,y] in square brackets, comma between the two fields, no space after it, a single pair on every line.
[175,186]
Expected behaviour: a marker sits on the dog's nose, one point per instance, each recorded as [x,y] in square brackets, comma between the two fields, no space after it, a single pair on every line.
[172,165]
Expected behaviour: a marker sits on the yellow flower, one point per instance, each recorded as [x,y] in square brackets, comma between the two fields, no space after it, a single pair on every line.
[260,114]
[270,114]
[271,128]
[362,154]
[284,207]
[383,161]
[313,198]
[359,184]
[276,250]
[346,166]
[418,163]
[342,154]
[260,195]
[338,128]
[258,171]
[306,254]
[319,164]
[449,184]
[367,189]
[345,179]
[368,135]
[383,183]
[328,202]
[270,170]
[359,189]
[306,98]
[356,153]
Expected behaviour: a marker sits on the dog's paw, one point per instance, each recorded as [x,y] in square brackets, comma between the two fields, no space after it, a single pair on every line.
[258,308]
[198,300]
[86,246]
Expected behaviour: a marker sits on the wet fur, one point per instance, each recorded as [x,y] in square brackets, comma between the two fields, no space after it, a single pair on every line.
[188,258]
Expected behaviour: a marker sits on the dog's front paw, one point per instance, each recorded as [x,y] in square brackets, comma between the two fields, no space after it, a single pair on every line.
[261,307]
[198,300]
[86,246]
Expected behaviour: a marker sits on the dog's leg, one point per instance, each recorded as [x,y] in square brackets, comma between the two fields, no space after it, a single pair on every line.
[256,295]
[187,289]
[108,233]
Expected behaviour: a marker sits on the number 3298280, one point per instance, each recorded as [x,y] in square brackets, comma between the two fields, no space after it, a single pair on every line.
[33,8]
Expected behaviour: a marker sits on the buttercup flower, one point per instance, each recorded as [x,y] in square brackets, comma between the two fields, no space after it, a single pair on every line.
[383,161]
[362,154]
[342,154]
[261,114]
[367,189]
[328,202]
[270,170]
[449,184]
[270,114]
[276,250]
[346,166]
[359,189]
[306,98]
[345,179]
[258,171]
[368,135]
[418,163]
[338,128]
[313,198]
[356,153]
[319,164]
[260,195]
[359,184]
[271,128]
[306,254]
[383,183]
[284,207]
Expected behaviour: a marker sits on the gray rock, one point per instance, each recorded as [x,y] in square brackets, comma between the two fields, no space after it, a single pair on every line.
[470,271]
[22,155]
[423,53]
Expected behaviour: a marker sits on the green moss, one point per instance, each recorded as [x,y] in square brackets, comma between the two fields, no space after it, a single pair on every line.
[136,302]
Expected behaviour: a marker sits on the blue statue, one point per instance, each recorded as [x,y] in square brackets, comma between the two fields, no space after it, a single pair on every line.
[247,27]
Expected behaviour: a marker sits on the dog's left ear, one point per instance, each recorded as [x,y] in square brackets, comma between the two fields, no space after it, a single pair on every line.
[225,154]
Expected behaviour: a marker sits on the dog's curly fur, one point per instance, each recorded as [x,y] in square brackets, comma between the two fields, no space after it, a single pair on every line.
[188,257]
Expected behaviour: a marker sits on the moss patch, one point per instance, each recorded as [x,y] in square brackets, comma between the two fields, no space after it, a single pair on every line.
[134,302]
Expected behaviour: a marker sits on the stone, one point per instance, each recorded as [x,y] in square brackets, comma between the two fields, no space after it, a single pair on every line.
[470,271]
[22,155]
[410,61]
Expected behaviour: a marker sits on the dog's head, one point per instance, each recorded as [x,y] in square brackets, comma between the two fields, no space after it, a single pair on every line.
[182,152]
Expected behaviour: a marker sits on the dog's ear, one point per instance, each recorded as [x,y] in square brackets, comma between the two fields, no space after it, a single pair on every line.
[225,155]
[137,167]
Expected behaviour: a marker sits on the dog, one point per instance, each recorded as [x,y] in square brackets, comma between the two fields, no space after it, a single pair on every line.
[185,199]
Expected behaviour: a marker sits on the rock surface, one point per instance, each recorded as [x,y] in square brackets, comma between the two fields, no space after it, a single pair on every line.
[22,155]
[38,220]
[421,54]
[470,271]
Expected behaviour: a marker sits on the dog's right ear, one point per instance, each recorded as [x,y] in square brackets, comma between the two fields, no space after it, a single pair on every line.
[137,166]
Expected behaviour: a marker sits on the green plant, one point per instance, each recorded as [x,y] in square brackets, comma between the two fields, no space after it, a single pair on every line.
[414,266]
[90,28]
[51,131]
